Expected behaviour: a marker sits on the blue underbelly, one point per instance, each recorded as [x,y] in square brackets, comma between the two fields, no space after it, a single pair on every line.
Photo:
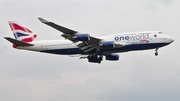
[130,47]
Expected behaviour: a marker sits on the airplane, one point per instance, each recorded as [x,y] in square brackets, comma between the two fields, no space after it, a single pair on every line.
[87,46]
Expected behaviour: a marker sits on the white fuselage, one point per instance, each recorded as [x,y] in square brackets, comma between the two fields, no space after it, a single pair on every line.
[131,41]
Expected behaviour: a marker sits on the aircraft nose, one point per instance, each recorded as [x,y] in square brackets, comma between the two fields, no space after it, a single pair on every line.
[171,40]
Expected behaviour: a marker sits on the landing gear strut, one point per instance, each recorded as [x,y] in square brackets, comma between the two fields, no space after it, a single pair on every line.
[156,53]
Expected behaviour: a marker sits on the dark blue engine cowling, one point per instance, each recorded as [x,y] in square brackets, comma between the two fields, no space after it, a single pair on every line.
[83,37]
[112,57]
[109,44]
[94,59]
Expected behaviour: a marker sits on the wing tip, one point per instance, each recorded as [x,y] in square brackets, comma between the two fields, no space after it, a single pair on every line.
[42,20]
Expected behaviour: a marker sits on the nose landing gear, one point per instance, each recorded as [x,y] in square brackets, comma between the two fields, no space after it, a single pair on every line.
[156,53]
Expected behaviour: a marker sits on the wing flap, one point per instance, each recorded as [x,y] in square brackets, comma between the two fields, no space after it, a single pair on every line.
[89,49]
[86,47]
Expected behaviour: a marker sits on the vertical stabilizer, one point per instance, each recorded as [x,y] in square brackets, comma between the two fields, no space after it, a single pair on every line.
[22,33]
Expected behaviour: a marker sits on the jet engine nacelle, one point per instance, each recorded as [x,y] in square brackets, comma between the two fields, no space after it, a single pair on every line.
[109,44]
[112,57]
[82,37]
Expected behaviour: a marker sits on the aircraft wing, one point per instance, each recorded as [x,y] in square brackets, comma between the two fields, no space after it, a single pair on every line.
[86,46]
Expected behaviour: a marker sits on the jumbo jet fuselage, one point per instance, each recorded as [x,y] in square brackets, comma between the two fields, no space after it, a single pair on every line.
[132,41]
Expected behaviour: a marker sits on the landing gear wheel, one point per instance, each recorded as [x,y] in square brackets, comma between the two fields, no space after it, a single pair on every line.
[156,53]
[100,59]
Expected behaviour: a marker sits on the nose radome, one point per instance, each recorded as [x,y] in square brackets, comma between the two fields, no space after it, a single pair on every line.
[171,40]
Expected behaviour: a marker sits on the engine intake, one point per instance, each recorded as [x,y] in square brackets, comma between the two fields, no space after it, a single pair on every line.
[109,44]
[82,37]
[112,57]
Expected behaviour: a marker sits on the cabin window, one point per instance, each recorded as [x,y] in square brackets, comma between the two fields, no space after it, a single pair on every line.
[160,32]
[155,35]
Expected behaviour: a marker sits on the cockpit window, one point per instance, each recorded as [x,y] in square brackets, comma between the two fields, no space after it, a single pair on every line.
[160,32]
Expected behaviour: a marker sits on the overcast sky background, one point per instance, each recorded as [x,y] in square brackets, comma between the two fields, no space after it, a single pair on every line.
[137,76]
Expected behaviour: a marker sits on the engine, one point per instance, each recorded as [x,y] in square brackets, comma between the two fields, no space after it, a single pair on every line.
[95,59]
[112,57]
[82,37]
[109,44]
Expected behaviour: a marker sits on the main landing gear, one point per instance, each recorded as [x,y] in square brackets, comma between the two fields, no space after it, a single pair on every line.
[156,53]
[94,58]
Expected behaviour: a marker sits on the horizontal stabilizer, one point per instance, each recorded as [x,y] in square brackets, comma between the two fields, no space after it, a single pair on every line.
[17,42]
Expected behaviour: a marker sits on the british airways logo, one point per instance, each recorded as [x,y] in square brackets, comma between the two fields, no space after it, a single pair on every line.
[132,37]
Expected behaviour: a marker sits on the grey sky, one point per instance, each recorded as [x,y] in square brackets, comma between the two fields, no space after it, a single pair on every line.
[137,76]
